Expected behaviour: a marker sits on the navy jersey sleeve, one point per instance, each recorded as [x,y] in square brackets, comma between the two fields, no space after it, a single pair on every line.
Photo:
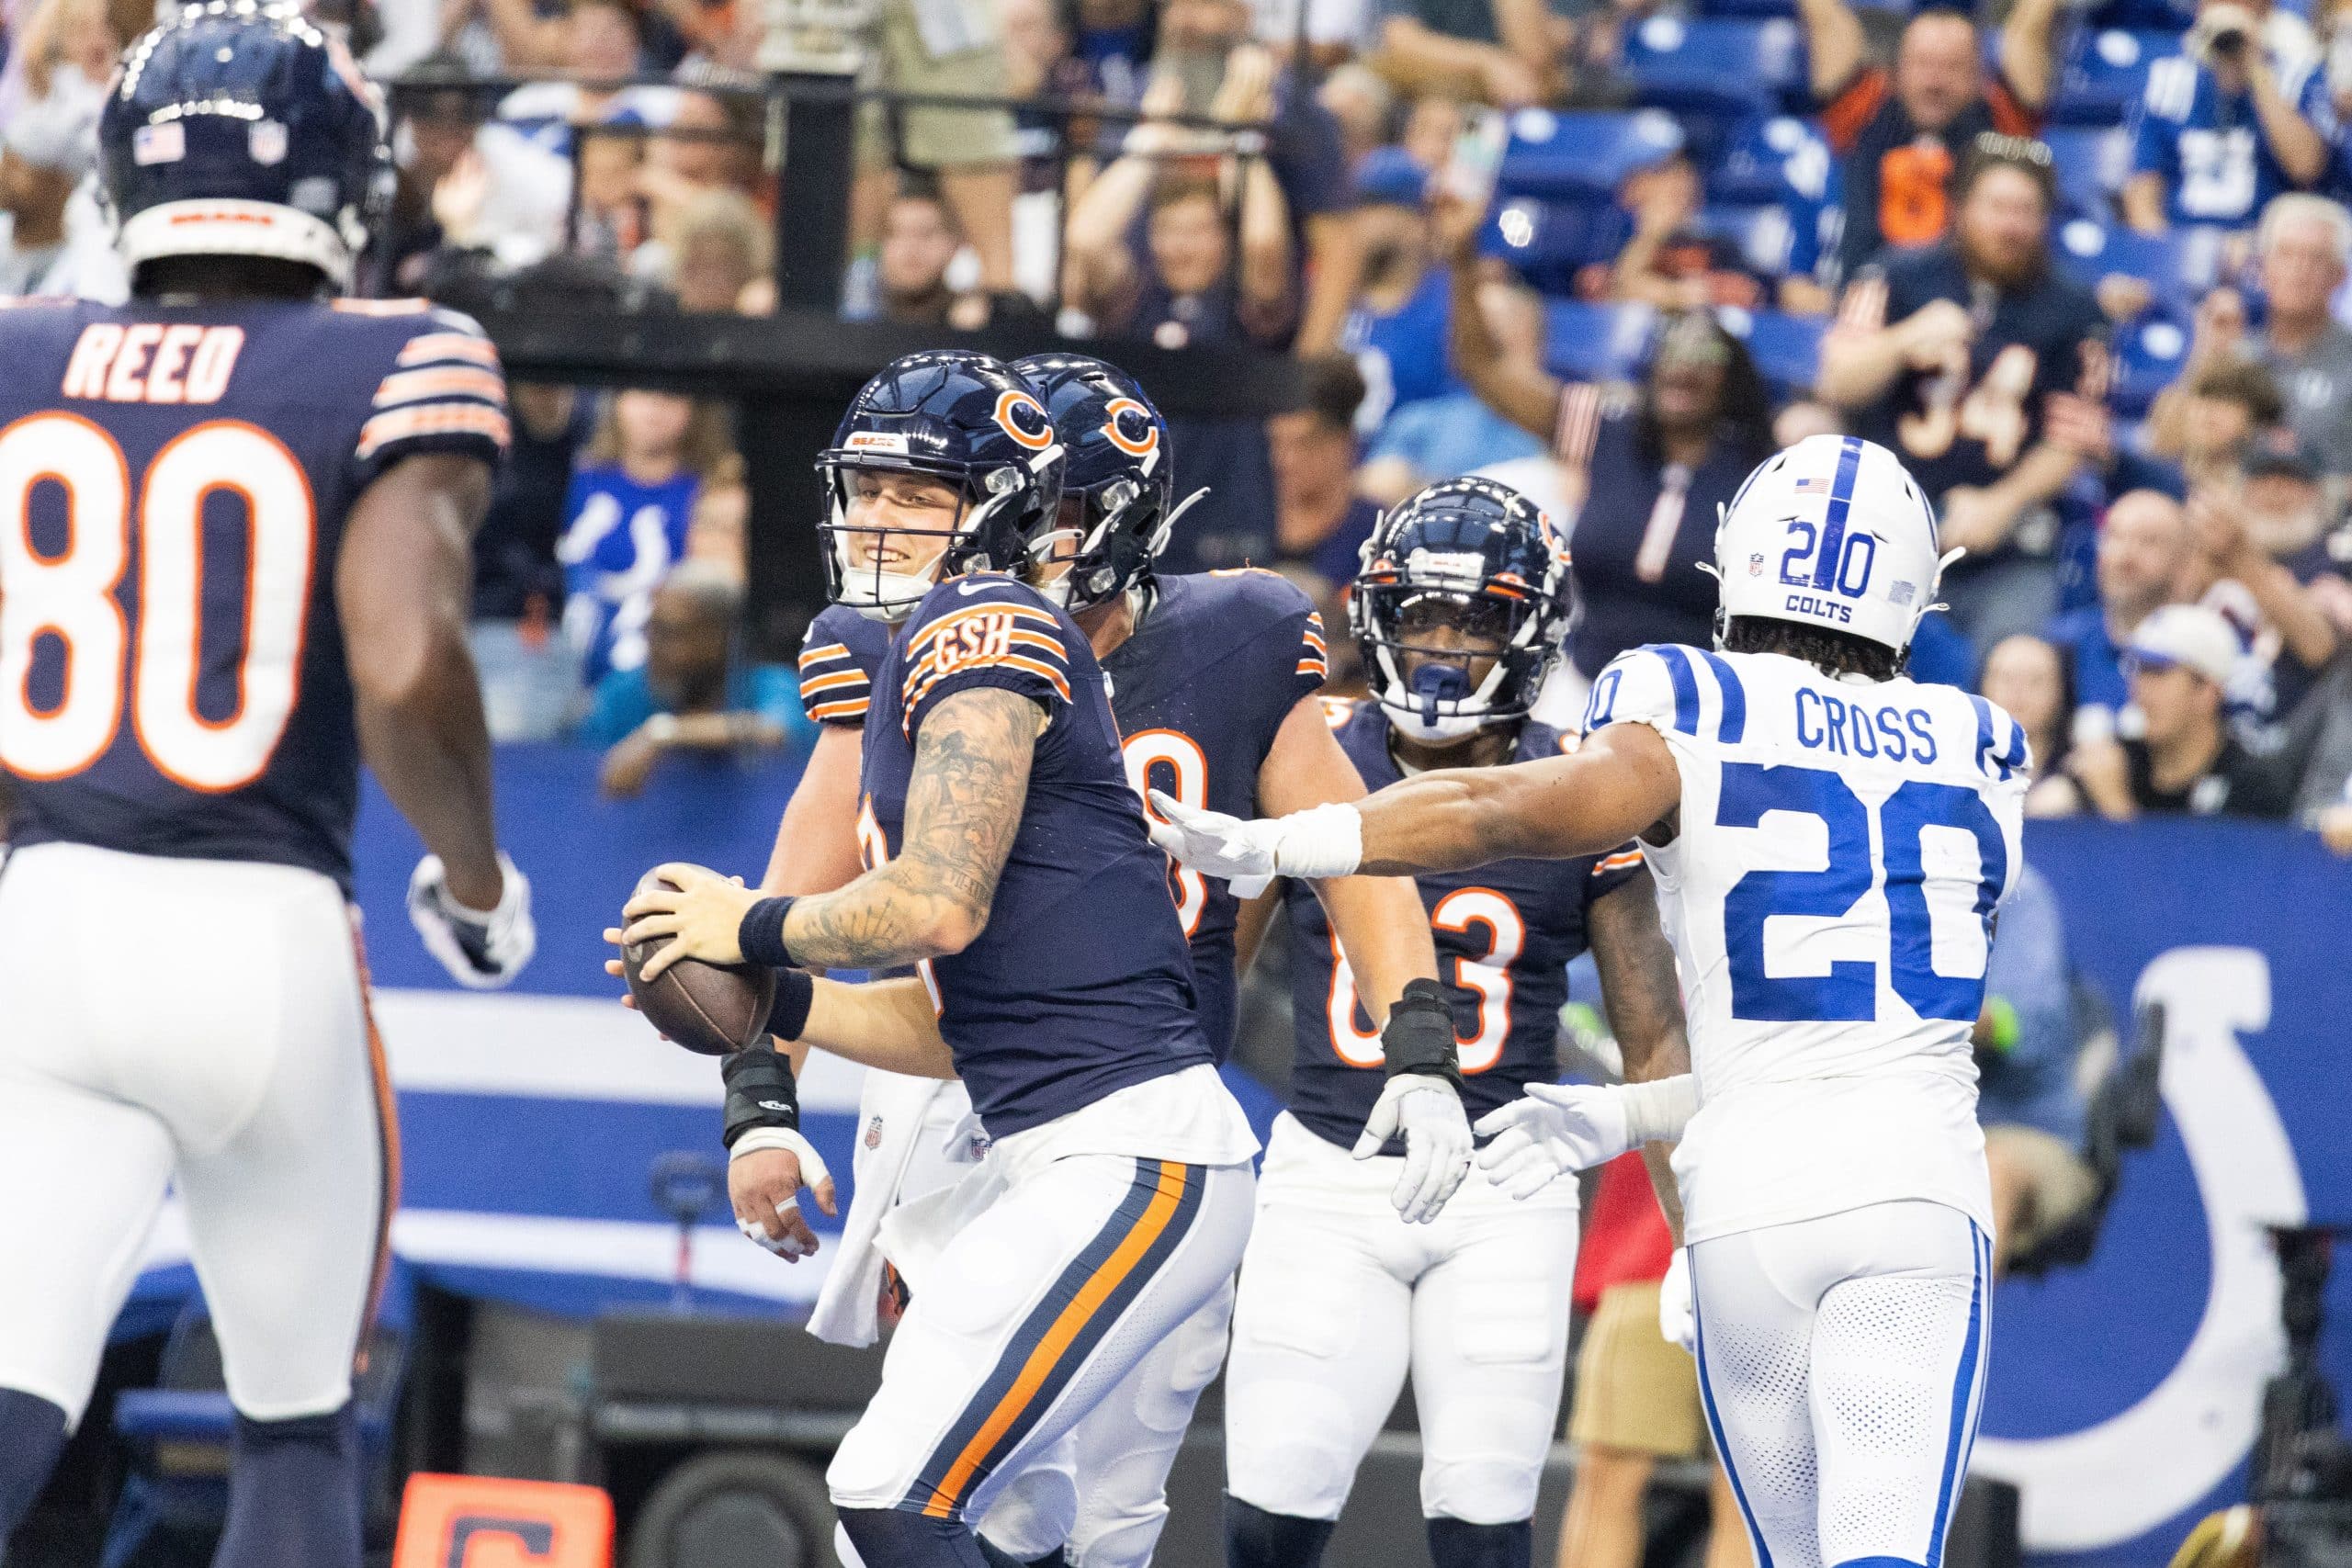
[838,659]
[983,631]
[1612,871]
[1269,608]
[442,391]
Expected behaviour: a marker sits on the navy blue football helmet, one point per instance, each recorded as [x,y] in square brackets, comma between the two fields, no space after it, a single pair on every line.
[1119,489]
[967,421]
[1465,559]
[236,128]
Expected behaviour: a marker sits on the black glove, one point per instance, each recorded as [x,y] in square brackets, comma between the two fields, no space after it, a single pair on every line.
[1418,1036]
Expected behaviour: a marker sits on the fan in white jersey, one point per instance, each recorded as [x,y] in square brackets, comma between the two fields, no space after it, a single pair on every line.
[1837,836]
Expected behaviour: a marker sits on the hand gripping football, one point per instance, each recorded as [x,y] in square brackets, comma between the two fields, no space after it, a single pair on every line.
[714,1009]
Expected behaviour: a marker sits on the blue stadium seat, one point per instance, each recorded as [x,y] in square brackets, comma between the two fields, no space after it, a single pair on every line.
[2149,356]
[1763,234]
[1763,159]
[1713,65]
[1548,242]
[1787,349]
[2182,263]
[2104,72]
[1596,343]
[2091,163]
[1582,157]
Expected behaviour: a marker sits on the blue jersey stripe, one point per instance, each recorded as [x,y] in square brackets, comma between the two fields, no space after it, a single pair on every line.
[1686,685]
[1841,502]
[1987,758]
[1963,1402]
[1734,721]
[1715,1423]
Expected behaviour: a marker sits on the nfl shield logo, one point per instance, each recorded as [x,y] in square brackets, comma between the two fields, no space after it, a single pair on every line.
[874,1134]
[1756,566]
[266,141]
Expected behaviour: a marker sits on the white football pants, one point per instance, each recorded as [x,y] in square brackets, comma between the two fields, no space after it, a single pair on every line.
[1841,1362]
[203,1022]
[1339,1297]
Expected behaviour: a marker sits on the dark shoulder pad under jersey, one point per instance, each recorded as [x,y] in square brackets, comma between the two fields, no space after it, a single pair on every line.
[982,630]
[838,658]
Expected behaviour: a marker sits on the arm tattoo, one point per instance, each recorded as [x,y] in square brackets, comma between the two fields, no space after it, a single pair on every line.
[964,805]
[1644,1000]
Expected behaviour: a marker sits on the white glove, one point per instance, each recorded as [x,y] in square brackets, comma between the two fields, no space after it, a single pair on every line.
[1321,842]
[482,950]
[1550,1132]
[1677,1319]
[1425,1109]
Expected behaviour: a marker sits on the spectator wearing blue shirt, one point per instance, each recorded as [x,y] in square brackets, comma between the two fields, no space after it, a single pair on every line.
[2026,1098]
[626,520]
[2144,550]
[1396,329]
[691,694]
[1456,433]
[2244,115]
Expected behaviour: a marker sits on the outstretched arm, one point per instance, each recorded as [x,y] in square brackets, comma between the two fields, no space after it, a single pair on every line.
[1623,783]
[1379,921]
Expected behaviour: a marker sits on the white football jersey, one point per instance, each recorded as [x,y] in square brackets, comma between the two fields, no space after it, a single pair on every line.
[1842,846]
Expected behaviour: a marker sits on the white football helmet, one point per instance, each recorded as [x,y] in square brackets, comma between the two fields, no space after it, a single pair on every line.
[1834,532]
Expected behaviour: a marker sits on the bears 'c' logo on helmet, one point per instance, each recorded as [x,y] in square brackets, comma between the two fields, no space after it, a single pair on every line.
[1025,419]
[1130,428]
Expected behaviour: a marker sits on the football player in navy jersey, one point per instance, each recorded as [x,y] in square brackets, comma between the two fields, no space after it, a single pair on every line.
[1459,611]
[235,517]
[1011,864]
[1212,678]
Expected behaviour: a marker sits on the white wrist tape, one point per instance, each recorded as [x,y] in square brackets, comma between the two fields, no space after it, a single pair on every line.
[1320,841]
[1656,1112]
[813,1164]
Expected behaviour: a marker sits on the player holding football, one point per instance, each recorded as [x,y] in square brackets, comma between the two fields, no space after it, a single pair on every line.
[1838,837]
[1211,681]
[235,544]
[1459,611]
[1011,865]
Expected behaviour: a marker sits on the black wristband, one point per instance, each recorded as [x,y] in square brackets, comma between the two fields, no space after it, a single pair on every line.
[1418,1036]
[788,1014]
[761,933]
[760,1093]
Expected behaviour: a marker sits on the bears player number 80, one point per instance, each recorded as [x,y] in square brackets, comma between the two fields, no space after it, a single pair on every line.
[70,596]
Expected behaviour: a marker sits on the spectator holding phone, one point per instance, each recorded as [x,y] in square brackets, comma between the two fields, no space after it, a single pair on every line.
[2244,115]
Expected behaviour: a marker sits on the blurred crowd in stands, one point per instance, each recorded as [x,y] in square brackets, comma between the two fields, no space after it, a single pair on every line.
[2083,265]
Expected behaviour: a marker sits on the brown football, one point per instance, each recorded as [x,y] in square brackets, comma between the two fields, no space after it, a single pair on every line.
[715,1009]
